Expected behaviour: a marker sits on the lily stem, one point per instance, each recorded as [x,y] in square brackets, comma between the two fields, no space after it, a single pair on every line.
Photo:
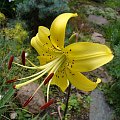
[68,96]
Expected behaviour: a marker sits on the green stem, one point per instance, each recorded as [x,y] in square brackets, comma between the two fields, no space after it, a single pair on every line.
[68,96]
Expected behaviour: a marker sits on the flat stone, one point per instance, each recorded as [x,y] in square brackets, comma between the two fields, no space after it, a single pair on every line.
[99,20]
[99,109]
[13,115]
[97,37]
[26,92]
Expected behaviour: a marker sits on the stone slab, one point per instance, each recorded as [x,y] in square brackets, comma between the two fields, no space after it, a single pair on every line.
[99,109]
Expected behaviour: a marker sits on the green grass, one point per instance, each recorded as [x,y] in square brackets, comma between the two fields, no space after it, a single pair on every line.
[112,34]
[113,3]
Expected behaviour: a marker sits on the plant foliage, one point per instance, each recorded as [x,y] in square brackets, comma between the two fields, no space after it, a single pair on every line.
[40,12]
[112,33]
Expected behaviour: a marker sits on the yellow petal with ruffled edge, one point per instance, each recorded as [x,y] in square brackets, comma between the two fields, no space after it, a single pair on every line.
[60,78]
[57,30]
[43,46]
[80,81]
[87,56]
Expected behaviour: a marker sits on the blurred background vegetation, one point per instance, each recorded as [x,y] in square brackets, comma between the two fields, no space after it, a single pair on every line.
[19,21]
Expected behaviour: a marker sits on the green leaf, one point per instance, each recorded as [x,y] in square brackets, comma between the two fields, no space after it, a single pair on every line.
[2,110]
[6,97]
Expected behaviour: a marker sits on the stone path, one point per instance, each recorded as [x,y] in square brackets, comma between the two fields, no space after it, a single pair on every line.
[99,109]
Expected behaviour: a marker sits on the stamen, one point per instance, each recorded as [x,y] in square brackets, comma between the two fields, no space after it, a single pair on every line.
[29,81]
[48,89]
[10,62]
[11,81]
[47,79]
[51,65]
[32,75]
[26,66]
[54,69]
[23,57]
[14,86]
[46,105]
[31,62]
[40,67]
[28,101]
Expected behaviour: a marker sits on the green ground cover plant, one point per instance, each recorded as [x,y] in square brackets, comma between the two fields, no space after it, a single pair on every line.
[112,34]
[113,3]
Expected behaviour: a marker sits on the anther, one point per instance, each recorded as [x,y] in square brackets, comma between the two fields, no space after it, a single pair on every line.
[47,79]
[10,62]
[46,105]
[14,87]
[23,57]
[11,81]
[28,101]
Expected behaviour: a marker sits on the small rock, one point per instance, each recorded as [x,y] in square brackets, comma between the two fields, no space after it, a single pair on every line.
[13,115]
[99,20]
[26,92]
[97,37]
[1,96]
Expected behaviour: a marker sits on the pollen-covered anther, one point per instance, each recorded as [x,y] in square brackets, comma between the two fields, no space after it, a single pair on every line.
[10,62]
[23,57]
[48,78]
[11,81]
[14,87]
[46,105]
[28,101]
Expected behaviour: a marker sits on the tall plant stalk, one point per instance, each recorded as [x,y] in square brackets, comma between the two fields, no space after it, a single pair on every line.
[68,96]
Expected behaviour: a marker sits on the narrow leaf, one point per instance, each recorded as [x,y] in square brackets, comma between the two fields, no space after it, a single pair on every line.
[6,97]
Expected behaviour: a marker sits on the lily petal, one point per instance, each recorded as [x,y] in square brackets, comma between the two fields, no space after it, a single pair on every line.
[43,46]
[60,78]
[57,29]
[87,56]
[80,81]
[37,46]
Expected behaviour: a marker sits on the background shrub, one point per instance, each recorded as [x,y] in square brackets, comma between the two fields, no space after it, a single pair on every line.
[40,12]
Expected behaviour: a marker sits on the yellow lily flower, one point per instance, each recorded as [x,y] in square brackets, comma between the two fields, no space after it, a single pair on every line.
[66,63]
